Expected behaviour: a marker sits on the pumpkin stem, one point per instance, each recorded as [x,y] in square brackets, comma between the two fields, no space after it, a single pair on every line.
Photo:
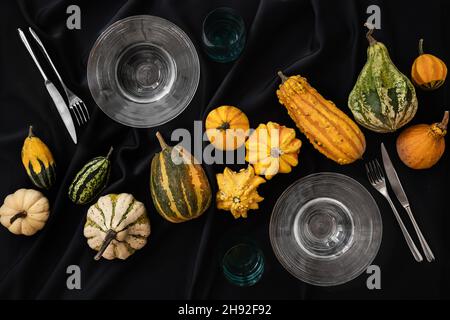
[443,124]
[421,47]
[30,132]
[109,152]
[369,37]
[110,235]
[282,76]
[224,126]
[163,143]
[19,215]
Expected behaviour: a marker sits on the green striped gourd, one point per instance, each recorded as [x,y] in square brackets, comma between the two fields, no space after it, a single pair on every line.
[180,189]
[383,99]
[90,180]
[38,161]
[116,226]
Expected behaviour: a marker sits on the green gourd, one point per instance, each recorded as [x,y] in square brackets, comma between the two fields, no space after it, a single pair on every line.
[383,99]
[180,189]
[90,180]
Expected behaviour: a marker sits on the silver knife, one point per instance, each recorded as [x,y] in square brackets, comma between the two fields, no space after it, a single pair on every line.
[403,199]
[54,93]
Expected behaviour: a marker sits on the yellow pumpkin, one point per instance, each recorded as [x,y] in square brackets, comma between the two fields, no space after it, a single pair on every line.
[238,191]
[227,127]
[272,148]
[428,71]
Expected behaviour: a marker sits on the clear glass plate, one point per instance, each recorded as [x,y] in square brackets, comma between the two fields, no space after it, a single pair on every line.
[325,229]
[143,71]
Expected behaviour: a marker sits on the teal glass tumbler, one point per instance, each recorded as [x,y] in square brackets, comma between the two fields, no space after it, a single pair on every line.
[243,264]
[223,35]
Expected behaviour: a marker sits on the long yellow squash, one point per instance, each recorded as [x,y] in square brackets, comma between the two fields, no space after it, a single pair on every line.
[329,129]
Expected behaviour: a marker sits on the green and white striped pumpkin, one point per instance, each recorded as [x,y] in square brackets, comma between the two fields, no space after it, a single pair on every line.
[180,189]
[116,226]
[383,99]
[90,180]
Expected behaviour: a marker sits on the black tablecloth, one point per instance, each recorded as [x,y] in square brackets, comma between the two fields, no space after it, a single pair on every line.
[321,40]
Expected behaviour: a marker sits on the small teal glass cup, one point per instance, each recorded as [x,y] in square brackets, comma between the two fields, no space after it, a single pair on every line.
[223,35]
[243,264]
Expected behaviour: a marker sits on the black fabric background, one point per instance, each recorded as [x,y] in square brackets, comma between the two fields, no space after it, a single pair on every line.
[322,40]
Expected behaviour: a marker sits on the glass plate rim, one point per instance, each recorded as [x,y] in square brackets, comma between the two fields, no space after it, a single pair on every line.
[196,60]
[287,190]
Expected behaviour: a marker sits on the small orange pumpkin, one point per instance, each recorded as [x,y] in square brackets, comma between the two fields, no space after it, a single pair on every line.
[422,145]
[428,71]
[227,127]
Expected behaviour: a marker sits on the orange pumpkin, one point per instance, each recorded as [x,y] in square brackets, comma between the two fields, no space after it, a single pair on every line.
[428,71]
[422,145]
[227,127]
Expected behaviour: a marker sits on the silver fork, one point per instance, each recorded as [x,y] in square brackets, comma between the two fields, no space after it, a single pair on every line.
[76,105]
[377,180]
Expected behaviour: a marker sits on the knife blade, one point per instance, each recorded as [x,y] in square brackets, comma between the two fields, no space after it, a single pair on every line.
[403,199]
[58,100]
[393,178]
[63,110]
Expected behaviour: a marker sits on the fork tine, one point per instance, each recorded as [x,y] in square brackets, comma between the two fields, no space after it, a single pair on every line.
[78,113]
[379,170]
[372,173]
[375,171]
[368,173]
[80,109]
[76,116]
[86,109]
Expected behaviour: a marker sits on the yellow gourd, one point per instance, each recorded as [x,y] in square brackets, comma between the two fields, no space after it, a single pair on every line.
[227,127]
[329,129]
[422,145]
[38,161]
[271,149]
[238,191]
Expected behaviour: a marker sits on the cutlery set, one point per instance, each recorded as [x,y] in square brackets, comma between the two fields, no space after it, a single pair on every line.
[76,105]
[376,177]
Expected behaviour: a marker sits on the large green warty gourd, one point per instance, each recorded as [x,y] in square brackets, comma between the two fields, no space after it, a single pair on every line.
[383,99]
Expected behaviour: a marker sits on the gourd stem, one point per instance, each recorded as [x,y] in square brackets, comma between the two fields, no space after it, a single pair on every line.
[443,124]
[369,37]
[110,235]
[421,47]
[224,126]
[109,152]
[161,141]
[30,131]
[282,76]
[19,215]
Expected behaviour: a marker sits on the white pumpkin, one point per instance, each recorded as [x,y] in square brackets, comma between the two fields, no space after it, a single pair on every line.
[24,212]
[117,225]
